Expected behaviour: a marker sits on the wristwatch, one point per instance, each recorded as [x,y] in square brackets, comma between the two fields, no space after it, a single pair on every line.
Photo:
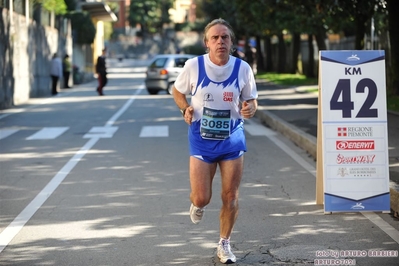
[183,111]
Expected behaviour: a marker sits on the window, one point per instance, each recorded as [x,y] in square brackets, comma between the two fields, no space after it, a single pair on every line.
[5,4]
[179,62]
[19,7]
[160,62]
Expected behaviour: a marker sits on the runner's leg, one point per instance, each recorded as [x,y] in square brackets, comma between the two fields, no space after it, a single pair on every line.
[231,171]
[201,177]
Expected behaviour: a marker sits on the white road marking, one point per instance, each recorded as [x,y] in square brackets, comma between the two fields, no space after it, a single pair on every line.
[15,226]
[101,132]
[4,133]
[48,133]
[154,131]
[18,223]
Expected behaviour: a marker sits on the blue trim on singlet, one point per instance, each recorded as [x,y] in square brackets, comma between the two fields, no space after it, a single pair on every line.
[236,142]
[204,80]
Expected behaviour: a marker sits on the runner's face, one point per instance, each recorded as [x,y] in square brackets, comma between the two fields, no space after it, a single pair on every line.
[219,42]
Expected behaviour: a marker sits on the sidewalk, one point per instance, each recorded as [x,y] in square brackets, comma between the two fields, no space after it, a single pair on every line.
[293,112]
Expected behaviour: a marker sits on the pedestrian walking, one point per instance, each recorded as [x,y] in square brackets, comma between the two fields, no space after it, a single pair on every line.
[66,67]
[55,72]
[101,71]
[223,93]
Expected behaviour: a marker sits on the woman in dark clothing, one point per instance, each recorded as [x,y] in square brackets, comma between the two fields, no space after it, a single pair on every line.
[101,70]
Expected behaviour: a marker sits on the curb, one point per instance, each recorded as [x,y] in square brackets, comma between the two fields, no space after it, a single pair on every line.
[309,143]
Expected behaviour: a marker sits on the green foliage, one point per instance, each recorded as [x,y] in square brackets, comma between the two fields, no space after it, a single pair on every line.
[393,103]
[83,28]
[57,6]
[71,5]
[197,26]
[108,30]
[266,18]
[393,69]
[287,79]
[271,17]
[114,6]
[149,14]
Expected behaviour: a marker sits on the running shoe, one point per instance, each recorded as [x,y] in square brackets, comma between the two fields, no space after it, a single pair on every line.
[196,214]
[224,252]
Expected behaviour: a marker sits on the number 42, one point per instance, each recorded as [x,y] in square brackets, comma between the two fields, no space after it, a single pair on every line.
[343,89]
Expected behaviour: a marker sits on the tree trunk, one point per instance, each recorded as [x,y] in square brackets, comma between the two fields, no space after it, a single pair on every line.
[320,37]
[296,46]
[281,54]
[393,70]
[360,31]
[268,49]
[310,68]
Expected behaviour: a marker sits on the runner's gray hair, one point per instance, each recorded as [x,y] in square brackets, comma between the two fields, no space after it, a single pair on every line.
[216,22]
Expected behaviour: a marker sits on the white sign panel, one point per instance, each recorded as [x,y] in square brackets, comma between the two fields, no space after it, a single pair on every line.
[354,131]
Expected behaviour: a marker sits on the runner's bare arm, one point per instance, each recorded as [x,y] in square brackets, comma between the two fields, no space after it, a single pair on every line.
[181,102]
[249,107]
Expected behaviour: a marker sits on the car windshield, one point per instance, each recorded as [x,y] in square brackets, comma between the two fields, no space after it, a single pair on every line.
[158,63]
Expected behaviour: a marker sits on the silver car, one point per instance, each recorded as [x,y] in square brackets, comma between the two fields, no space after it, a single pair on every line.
[163,71]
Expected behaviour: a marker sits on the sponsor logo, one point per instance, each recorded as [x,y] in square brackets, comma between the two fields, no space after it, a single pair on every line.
[358,206]
[355,131]
[358,159]
[354,144]
[208,97]
[357,171]
[353,57]
[342,132]
[342,172]
[228,96]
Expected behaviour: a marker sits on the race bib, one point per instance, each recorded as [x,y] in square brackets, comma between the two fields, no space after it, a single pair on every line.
[215,124]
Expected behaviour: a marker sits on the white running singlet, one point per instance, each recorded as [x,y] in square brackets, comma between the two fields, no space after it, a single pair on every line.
[216,93]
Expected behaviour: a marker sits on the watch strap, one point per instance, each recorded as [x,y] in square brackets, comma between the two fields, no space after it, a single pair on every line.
[183,111]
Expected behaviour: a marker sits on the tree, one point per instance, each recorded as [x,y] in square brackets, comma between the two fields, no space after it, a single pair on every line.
[71,5]
[57,6]
[83,28]
[353,17]
[393,70]
[266,18]
[244,16]
[151,15]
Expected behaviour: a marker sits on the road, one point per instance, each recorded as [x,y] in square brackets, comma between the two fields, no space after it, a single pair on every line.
[89,180]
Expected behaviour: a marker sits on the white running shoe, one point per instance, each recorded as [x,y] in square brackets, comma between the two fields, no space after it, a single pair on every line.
[224,252]
[196,214]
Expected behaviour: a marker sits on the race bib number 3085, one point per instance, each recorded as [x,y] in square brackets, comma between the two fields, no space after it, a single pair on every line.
[215,124]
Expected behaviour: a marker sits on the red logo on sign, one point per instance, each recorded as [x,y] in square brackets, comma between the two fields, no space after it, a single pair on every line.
[354,144]
[342,132]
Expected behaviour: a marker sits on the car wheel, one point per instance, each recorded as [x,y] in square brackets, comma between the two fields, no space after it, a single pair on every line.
[170,89]
[152,91]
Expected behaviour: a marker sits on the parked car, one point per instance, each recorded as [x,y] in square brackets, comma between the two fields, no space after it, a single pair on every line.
[163,71]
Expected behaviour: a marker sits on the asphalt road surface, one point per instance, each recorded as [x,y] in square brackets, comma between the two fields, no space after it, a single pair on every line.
[89,180]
